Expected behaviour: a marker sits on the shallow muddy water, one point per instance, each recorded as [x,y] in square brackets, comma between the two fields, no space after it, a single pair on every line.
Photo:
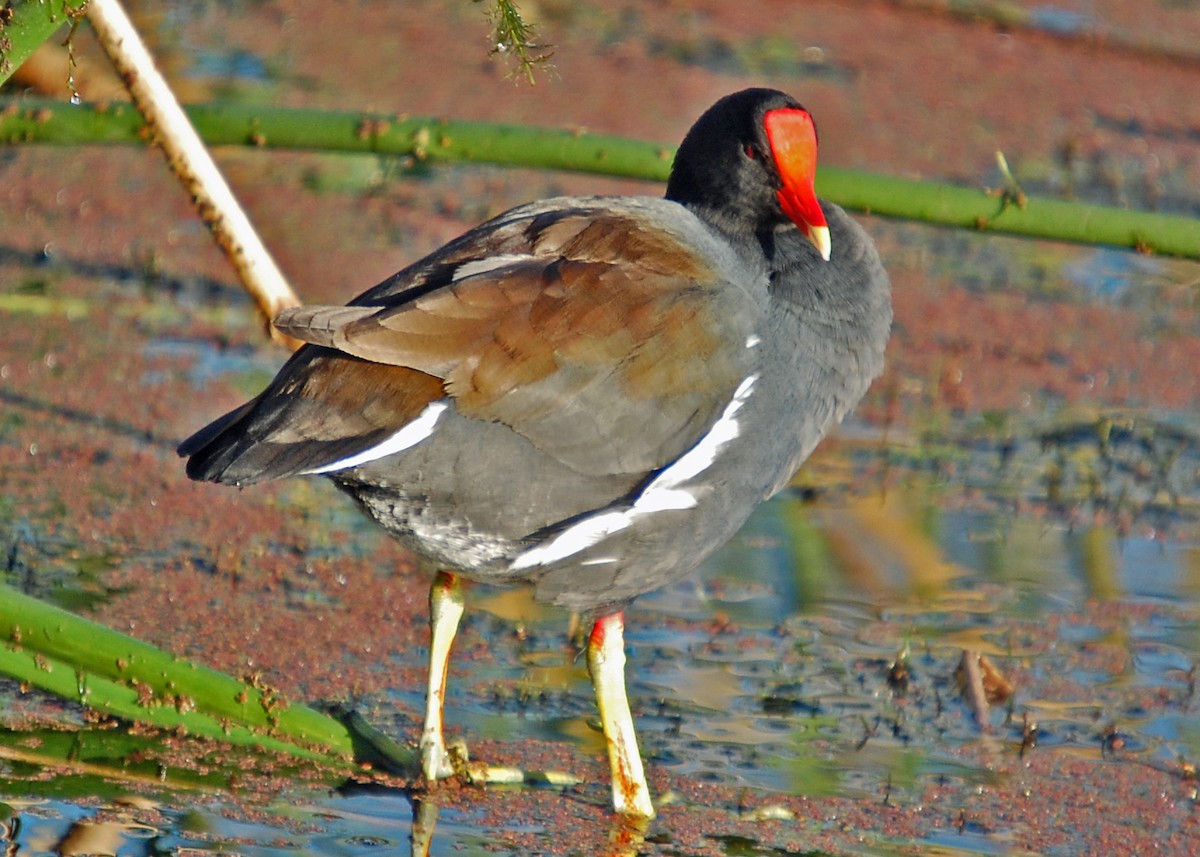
[767,680]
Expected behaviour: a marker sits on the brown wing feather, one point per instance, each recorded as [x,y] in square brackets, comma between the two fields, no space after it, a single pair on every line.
[606,343]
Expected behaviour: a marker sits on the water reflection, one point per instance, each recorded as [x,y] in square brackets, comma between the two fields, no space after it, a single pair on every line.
[818,601]
[768,673]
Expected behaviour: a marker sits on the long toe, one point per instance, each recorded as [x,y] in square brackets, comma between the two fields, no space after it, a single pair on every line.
[436,761]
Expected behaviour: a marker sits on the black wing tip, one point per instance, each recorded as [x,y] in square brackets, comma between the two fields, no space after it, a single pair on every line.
[212,449]
[224,464]
[191,446]
[204,464]
[199,469]
[223,453]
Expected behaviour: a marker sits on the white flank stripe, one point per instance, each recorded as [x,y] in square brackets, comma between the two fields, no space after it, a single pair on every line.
[410,435]
[660,499]
[574,538]
[661,495]
[700,457]
[753,340]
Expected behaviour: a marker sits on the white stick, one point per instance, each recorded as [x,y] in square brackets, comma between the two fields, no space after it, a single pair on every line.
[191,162]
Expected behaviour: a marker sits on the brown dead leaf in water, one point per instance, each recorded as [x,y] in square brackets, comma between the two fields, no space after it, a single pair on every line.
[982,684]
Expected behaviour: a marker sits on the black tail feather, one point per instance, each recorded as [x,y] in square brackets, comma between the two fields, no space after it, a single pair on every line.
[211,450]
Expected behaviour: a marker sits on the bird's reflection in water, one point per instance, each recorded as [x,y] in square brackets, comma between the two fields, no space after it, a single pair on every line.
[425,815]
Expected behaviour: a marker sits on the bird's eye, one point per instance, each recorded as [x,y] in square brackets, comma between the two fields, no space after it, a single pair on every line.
[751,152]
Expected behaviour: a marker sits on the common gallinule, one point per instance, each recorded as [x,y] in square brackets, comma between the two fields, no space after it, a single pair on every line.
[585,394]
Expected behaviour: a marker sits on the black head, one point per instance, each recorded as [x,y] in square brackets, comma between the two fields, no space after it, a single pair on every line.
[747,165]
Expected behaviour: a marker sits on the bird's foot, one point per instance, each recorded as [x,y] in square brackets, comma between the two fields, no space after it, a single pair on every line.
[440,761]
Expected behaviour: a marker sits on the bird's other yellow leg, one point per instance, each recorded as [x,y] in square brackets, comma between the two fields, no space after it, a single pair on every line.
[606,663]
[445,611]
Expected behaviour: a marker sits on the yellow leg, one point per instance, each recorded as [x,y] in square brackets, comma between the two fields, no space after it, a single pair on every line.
[445,611]
[606,663]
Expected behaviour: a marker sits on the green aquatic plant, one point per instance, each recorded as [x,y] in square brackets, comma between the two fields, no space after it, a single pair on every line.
[433,141]
[71,657]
